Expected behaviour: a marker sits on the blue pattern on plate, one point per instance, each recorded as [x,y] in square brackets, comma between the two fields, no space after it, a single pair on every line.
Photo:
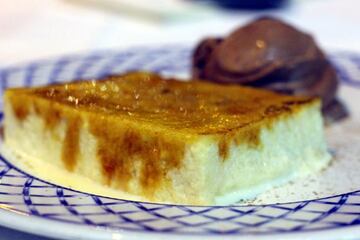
[24,193]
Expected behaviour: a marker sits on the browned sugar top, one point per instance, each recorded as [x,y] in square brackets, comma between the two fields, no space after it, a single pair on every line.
[196,107]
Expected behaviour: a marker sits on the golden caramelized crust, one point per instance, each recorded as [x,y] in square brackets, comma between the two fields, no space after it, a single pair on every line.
[196,107]
[143,122]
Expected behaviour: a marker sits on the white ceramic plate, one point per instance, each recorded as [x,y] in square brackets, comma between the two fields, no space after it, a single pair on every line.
[326,206]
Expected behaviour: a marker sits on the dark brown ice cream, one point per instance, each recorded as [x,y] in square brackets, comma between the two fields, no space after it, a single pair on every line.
[269,53]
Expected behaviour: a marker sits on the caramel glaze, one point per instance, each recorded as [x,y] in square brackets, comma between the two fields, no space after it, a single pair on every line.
[70,149]
[49,113]
[20,108]
[187,110]
[52,114]
[249,136]
[119,147]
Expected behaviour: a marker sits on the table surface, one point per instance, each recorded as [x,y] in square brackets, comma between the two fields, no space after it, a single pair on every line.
[37,29]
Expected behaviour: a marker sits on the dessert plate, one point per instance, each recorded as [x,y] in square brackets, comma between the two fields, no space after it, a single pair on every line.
[320,207]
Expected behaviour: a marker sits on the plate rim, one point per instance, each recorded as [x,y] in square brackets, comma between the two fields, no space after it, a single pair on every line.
[128,233]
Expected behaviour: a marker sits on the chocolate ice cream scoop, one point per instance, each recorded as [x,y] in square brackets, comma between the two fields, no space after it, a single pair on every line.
[271,54]
[202,54]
